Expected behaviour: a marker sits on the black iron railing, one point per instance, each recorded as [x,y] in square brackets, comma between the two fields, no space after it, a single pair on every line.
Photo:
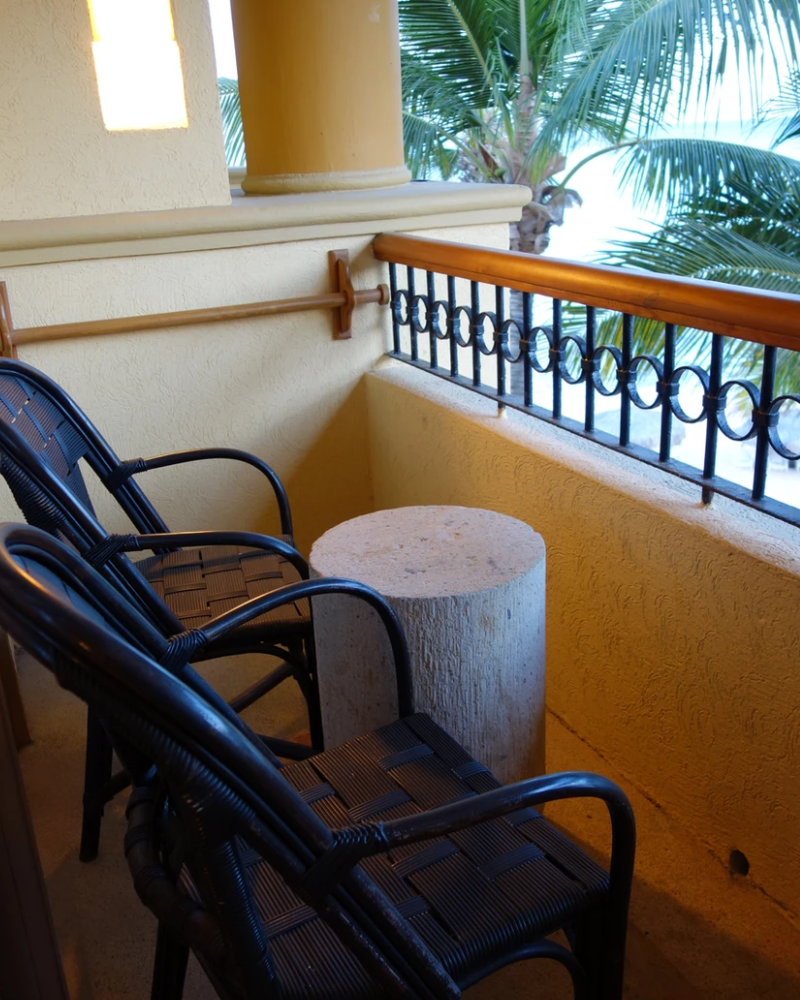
[538,335]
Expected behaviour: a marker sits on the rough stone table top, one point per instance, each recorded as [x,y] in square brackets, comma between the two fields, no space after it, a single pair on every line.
[418,552]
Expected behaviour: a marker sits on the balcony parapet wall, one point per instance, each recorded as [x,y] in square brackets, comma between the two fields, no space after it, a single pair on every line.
[672,639]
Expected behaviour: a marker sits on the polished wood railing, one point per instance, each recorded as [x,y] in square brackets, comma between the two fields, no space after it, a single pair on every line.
[664,344]
[749,314]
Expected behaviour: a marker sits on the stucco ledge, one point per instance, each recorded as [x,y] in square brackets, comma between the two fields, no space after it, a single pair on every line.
[751,531]
[254,220]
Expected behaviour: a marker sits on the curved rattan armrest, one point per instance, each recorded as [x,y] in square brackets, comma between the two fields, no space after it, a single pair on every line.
[103,551]
[353,844]
[455,816]
[243,613]
[125,470]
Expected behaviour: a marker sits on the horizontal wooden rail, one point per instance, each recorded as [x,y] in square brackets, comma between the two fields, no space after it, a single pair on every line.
[343,299]
[747,313]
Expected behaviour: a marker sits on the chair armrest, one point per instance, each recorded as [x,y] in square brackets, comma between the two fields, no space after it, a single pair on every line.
[125,470]
[113,544]
[237,616]
[353,844]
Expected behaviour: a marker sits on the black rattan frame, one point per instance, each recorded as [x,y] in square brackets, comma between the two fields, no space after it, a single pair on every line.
[192,759]
[60,504]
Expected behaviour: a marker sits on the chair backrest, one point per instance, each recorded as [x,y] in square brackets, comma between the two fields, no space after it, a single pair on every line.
[61,434]
[43,437]
[222,789]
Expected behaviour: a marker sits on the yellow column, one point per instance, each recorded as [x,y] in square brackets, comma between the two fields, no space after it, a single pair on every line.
[319,82]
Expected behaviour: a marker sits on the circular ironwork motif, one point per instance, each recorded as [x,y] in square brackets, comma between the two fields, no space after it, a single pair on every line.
[722,417]
[416,325]
[675,388]
[435,324]
[563,366]
[597,375]
[399,302]
[633,377]
[455,325]
[773,428]
[481,332]
[533,353]
[505,341]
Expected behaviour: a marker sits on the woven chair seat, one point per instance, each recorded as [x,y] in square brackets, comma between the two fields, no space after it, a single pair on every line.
[470,896]
[199,584]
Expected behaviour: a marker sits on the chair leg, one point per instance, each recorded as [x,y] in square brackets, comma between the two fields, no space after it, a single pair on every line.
[312,697]
[96,780]
[169,970]
[600,949]
[10,685]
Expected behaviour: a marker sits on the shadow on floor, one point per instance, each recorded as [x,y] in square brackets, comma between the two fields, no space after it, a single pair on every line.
[107,936]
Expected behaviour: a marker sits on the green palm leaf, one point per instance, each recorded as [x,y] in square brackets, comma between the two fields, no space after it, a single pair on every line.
[648,54]
[233,135]
[701,171]
[456,37]
[785,107]
[711,252]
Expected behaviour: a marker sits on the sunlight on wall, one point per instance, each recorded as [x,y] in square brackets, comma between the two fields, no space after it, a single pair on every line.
[138,65]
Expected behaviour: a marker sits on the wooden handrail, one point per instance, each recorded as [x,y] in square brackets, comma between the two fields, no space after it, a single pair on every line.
[748,313]
[343,299]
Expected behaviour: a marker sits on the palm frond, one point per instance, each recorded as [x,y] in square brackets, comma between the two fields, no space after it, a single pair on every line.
[428,149]
[785,107]
[455,37]
[233,135]
[711,252]
[646,54]
[791,130]
[554,27]
[701,171]
[426,92]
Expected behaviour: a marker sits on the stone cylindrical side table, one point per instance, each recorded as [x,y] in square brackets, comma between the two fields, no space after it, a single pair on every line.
[469,588]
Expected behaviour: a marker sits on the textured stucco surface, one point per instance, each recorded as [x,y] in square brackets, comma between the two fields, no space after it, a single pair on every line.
[279,386]
[469,589]
[56,157]
[671,628]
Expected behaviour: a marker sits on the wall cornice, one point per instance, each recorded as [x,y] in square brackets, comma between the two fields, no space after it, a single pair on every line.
[253,220]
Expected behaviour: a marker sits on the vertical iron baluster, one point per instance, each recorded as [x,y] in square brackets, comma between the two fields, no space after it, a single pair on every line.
[664,392]
[475,302]
[624,398]
[413,314]
[762,437]
[500,312]
[393,293]
[431,331]
[711,406]
[525,357]
[451,309]
[588,423]
[554,352]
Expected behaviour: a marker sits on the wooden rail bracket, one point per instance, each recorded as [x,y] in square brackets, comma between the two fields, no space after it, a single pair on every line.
[340,275]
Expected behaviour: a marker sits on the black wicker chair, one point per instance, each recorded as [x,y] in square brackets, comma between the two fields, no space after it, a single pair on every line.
[191,578]
[391,866]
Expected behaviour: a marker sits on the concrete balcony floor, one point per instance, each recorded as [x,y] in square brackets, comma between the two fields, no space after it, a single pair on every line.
[696,931]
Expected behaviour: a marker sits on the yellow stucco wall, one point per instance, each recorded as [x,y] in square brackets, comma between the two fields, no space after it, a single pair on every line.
[279,386]
[56,157]
[672,641]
